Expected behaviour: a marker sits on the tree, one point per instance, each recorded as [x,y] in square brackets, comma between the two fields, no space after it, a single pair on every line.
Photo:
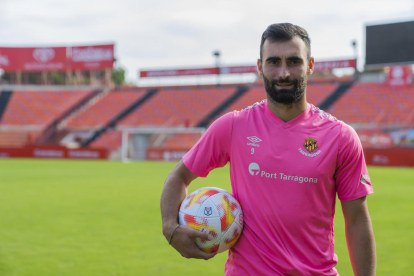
[118,75]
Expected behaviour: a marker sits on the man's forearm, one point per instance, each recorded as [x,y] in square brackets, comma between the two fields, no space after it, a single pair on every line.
[173,193]
[361,247]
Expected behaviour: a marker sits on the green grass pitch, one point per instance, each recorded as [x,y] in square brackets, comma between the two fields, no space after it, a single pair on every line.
[103,218]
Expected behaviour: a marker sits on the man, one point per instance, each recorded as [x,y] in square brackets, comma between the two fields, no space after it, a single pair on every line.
[288,160]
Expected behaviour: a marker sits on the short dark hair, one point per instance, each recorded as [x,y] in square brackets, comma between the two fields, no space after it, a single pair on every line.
[284,32]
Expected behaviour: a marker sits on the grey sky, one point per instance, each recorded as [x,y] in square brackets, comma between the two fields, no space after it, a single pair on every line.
[184,33]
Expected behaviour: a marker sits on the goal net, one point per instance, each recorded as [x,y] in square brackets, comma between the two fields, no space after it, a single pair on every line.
[168,144]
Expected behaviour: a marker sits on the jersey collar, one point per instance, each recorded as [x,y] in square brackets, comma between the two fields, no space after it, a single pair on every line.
[303,116]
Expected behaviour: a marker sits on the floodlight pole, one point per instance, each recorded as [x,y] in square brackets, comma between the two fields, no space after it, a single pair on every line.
[354,46]
[217,55]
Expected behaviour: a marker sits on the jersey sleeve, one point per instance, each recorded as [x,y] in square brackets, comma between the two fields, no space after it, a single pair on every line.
[213,149]
[352,179]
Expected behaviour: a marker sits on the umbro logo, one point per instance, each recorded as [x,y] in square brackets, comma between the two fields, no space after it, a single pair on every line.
[254,140]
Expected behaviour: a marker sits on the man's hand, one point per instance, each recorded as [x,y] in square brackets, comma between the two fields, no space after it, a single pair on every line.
[183,240]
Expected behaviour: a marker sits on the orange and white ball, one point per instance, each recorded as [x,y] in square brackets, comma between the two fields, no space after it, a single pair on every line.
[216,212]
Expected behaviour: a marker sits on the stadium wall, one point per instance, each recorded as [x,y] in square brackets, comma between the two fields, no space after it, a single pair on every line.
[389,157]
[53,152]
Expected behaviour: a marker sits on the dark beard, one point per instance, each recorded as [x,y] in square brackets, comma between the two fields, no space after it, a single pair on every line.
[285,96]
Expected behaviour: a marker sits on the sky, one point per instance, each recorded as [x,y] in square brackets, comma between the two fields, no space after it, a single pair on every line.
[163,34]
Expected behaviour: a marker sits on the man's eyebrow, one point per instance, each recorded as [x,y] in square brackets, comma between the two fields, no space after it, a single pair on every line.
[273,59]
[278,58]
[294,58]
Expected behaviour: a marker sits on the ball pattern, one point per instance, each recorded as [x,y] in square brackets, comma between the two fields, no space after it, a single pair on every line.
[216,212]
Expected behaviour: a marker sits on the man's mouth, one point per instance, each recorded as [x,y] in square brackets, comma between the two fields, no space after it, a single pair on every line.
[284,85]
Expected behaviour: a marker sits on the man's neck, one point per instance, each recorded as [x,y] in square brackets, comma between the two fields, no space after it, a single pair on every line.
[287,112]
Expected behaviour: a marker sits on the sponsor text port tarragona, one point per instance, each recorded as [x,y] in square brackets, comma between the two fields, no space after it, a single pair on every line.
[254,170]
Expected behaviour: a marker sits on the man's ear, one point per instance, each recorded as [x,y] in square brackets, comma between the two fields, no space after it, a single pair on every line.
[259,68]
[311,64]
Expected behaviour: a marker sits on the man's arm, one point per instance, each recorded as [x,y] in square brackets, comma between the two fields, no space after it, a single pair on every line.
[359,236]
[173,193]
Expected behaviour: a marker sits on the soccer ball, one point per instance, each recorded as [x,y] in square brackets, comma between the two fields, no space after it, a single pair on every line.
[216,212]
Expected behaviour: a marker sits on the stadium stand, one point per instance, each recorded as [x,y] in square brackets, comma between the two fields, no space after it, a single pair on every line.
[38,108]
[105,109]
[170,107]
[177,107]
[375,104]
[111,140]
[4,100]
[14,138]
[181,141]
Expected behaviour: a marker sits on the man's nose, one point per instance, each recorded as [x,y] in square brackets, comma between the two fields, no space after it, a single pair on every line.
[284,71]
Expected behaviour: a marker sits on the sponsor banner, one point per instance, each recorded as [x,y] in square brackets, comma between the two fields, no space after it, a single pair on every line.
[400,76]
[92,57]
[33,59]
[390,156]
[178,72]
[166,154]
[375,139]
[319,66]
[329,65]
[238,70]
[9,59]
[53,152]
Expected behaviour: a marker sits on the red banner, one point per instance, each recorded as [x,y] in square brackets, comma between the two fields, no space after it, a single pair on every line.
[238,70]
[390,157]
[319,66]
[53,152]
[92,57]
[178,72]
[329,65]
[400,75]
[9,59]
[33,59]
[166,154]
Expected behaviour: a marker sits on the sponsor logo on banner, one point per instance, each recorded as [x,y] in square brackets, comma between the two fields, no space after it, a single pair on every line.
[83,154]
[51,153]
[4,60]
[43,54]
[400,75]
[44,59]
[178,72]
[173,155]
[380,159]
[329,65]
[238,69]
[92,54]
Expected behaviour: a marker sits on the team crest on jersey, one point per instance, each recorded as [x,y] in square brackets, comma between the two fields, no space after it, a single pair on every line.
[310,144]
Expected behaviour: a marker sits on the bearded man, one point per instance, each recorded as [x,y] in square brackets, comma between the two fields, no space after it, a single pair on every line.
[287,183]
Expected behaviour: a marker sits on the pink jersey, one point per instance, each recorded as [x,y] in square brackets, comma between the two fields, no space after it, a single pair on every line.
[285,176]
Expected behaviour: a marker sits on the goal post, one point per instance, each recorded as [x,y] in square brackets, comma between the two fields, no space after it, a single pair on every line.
[136,141]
